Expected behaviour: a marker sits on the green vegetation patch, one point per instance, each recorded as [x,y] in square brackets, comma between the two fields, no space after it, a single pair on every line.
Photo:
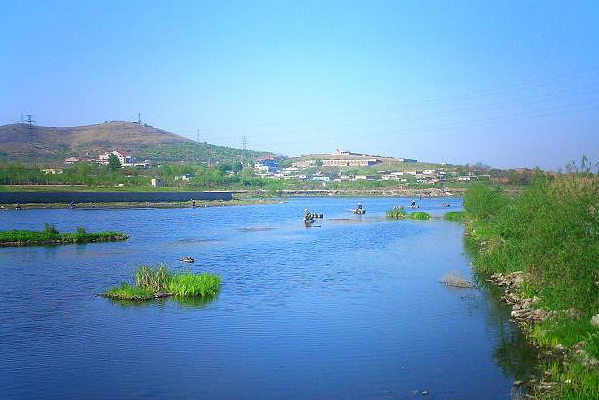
[158,282]
[397,213]
[456,216]
[420,215]
[50,235]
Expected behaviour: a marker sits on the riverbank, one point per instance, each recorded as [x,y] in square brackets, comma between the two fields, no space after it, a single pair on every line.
[541,248]
[125,205]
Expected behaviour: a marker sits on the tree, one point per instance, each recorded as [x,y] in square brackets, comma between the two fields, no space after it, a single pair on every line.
[237,166]
[113,162]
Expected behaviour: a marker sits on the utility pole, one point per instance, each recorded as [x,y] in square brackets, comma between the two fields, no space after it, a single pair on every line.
[30,136]
[139,118]
[22,118]
[245,143]
[198,135]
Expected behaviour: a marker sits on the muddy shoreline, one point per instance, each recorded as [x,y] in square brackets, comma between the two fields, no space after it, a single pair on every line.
[138,205]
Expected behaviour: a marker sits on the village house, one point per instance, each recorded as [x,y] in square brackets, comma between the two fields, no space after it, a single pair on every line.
[52,171]
[124,158]
[157,182]
[71,160]
[185,177]
[350,162]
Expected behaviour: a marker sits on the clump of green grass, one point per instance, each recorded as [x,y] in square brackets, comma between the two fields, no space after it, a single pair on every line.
[419,215]
[188,284]
[50,235]
[397,213]
[153,279]
[455,216]
[161,282]
[128,292]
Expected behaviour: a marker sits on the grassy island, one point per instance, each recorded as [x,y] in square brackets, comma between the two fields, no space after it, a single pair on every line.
[542,247]
[152,283]
[51,236]
[397,213]
[419,215]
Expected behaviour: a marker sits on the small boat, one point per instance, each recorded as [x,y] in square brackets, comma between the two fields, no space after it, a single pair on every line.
[308,221]
[187,259]
[359,211]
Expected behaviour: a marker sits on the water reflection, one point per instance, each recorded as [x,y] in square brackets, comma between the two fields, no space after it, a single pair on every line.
[196,302]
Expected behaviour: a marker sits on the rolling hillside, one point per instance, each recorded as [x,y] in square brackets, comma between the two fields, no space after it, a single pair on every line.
[25,143]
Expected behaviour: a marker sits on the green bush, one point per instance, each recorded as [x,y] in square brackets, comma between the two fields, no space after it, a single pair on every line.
[482,202]
[50,229]
[420,215]
[455,216]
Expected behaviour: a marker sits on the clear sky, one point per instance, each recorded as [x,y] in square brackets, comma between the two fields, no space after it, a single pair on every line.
[507,83]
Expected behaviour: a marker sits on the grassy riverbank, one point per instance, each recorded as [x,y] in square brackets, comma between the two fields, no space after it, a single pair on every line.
[51,236]
[159,282]
[550,232]
[455,216]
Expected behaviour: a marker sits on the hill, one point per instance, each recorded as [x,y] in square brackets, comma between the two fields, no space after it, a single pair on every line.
[26,143]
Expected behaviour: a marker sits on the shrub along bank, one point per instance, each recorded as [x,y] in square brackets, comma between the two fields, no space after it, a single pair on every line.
[50,235]
[550,232]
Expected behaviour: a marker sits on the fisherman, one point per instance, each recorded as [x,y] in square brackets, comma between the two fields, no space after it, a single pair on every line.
[413,203]
[72,204]
[307,215]
[18,207]
[359,206]
[193,204]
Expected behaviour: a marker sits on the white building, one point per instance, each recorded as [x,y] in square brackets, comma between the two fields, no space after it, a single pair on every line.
[124,158]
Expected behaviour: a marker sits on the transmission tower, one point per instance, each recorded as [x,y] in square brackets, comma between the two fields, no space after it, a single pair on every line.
[245,143]
[139,118]
[30,135]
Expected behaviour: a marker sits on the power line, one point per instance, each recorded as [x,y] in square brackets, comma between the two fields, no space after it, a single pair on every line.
[438,100]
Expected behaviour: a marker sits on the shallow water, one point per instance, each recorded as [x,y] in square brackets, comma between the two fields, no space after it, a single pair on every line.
[351,309]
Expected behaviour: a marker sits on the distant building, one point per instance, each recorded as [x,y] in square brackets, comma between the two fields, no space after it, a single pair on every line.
[157,182]
[304,163]
[52,171]
[266,164]
[70,160]
[350,162]
[124,158]
[185,177]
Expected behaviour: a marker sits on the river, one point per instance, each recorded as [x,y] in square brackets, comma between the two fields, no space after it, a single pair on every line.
[348,309]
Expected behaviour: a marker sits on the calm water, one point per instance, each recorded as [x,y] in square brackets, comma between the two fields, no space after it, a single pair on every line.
[348,310]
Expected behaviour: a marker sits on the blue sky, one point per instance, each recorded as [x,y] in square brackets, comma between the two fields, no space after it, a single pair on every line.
[507,83]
